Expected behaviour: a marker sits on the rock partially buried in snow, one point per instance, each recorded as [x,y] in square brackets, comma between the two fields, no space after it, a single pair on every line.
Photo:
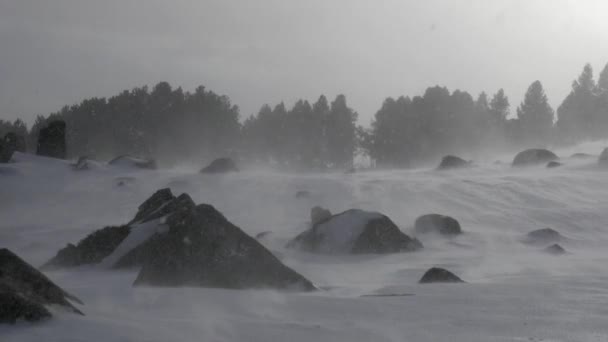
[603,160]
[581,156]
[318,215]
[435,223]
[354,232]
[553,164]
[25,291]
[179,243]
[134,163]
[90,250]
[534,157]
[82,164]
[221,165]
[543,236]
[555,249]
[452,162]
[439,275]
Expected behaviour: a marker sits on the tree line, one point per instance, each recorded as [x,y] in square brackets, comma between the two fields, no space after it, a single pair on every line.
[173,125]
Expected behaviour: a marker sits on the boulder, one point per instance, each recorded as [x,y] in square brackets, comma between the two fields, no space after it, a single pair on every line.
[355,232]
[25,291]
[439,275]
[534,157]
[318,215]
[178,243]
[303,194]
[555,249]
[553,164]
[603,160]
[581,156]
[81,164]
[452,162]
[220,165]
[90,250]
[51,140]
[132,162]
[435,223]
[543,236]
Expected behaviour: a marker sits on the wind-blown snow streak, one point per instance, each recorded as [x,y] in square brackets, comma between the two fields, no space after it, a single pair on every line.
[514,291]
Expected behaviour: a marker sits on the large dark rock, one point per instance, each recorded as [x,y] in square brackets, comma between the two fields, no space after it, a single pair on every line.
[435,223]
[355,231]
[439,275]
[534,157]
[51,140]
[543,236]
[221,165]
[318,215]
[90,250]
[603,160]
[132,162]
[202,248]
[452,162]
[24,291]
[178,243]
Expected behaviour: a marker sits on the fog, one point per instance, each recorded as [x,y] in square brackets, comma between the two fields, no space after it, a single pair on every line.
[57,53]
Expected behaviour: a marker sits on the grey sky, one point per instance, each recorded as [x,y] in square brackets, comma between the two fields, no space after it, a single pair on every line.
[264,51]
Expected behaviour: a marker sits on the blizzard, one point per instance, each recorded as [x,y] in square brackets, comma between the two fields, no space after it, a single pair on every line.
[513,291]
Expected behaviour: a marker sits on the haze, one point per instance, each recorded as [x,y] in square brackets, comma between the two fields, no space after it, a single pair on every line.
[60,52]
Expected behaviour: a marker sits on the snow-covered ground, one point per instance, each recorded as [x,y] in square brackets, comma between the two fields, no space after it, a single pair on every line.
[514,291]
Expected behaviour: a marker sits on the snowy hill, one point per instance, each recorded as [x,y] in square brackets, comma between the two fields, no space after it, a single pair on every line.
[514,291]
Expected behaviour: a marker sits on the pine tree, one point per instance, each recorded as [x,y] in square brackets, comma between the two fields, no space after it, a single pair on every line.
[535,115]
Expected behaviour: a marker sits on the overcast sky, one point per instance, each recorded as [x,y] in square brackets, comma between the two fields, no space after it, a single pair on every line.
[59,52]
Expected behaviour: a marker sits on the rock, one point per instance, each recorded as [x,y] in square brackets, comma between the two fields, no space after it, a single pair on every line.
[581,156]
[178,243]
[221,165]
[318,215]
[533,157]
[355,232]
[132,162]
[603,160]
[452,162]
[81,164]
[24,291]
[435,223]
[555,249]
[439,275]
[543,236]
[303,194]
[553,164]
[90,250]
[51,140]
[15,307]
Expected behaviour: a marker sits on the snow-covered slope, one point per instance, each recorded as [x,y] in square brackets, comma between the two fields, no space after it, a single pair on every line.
[514,291]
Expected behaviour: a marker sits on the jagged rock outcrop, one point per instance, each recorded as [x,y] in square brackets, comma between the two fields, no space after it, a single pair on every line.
[354,232]
[25,291]
[179,243]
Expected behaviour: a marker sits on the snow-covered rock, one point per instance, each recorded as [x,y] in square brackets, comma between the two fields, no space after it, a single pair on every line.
[439,275]
[133,163]
[355,231]
[534,156]
[452,162]
[435,223]
[221,165]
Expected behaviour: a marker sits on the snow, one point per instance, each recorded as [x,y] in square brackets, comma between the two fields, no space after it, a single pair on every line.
[139,234]
[514,291]
[340,233]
